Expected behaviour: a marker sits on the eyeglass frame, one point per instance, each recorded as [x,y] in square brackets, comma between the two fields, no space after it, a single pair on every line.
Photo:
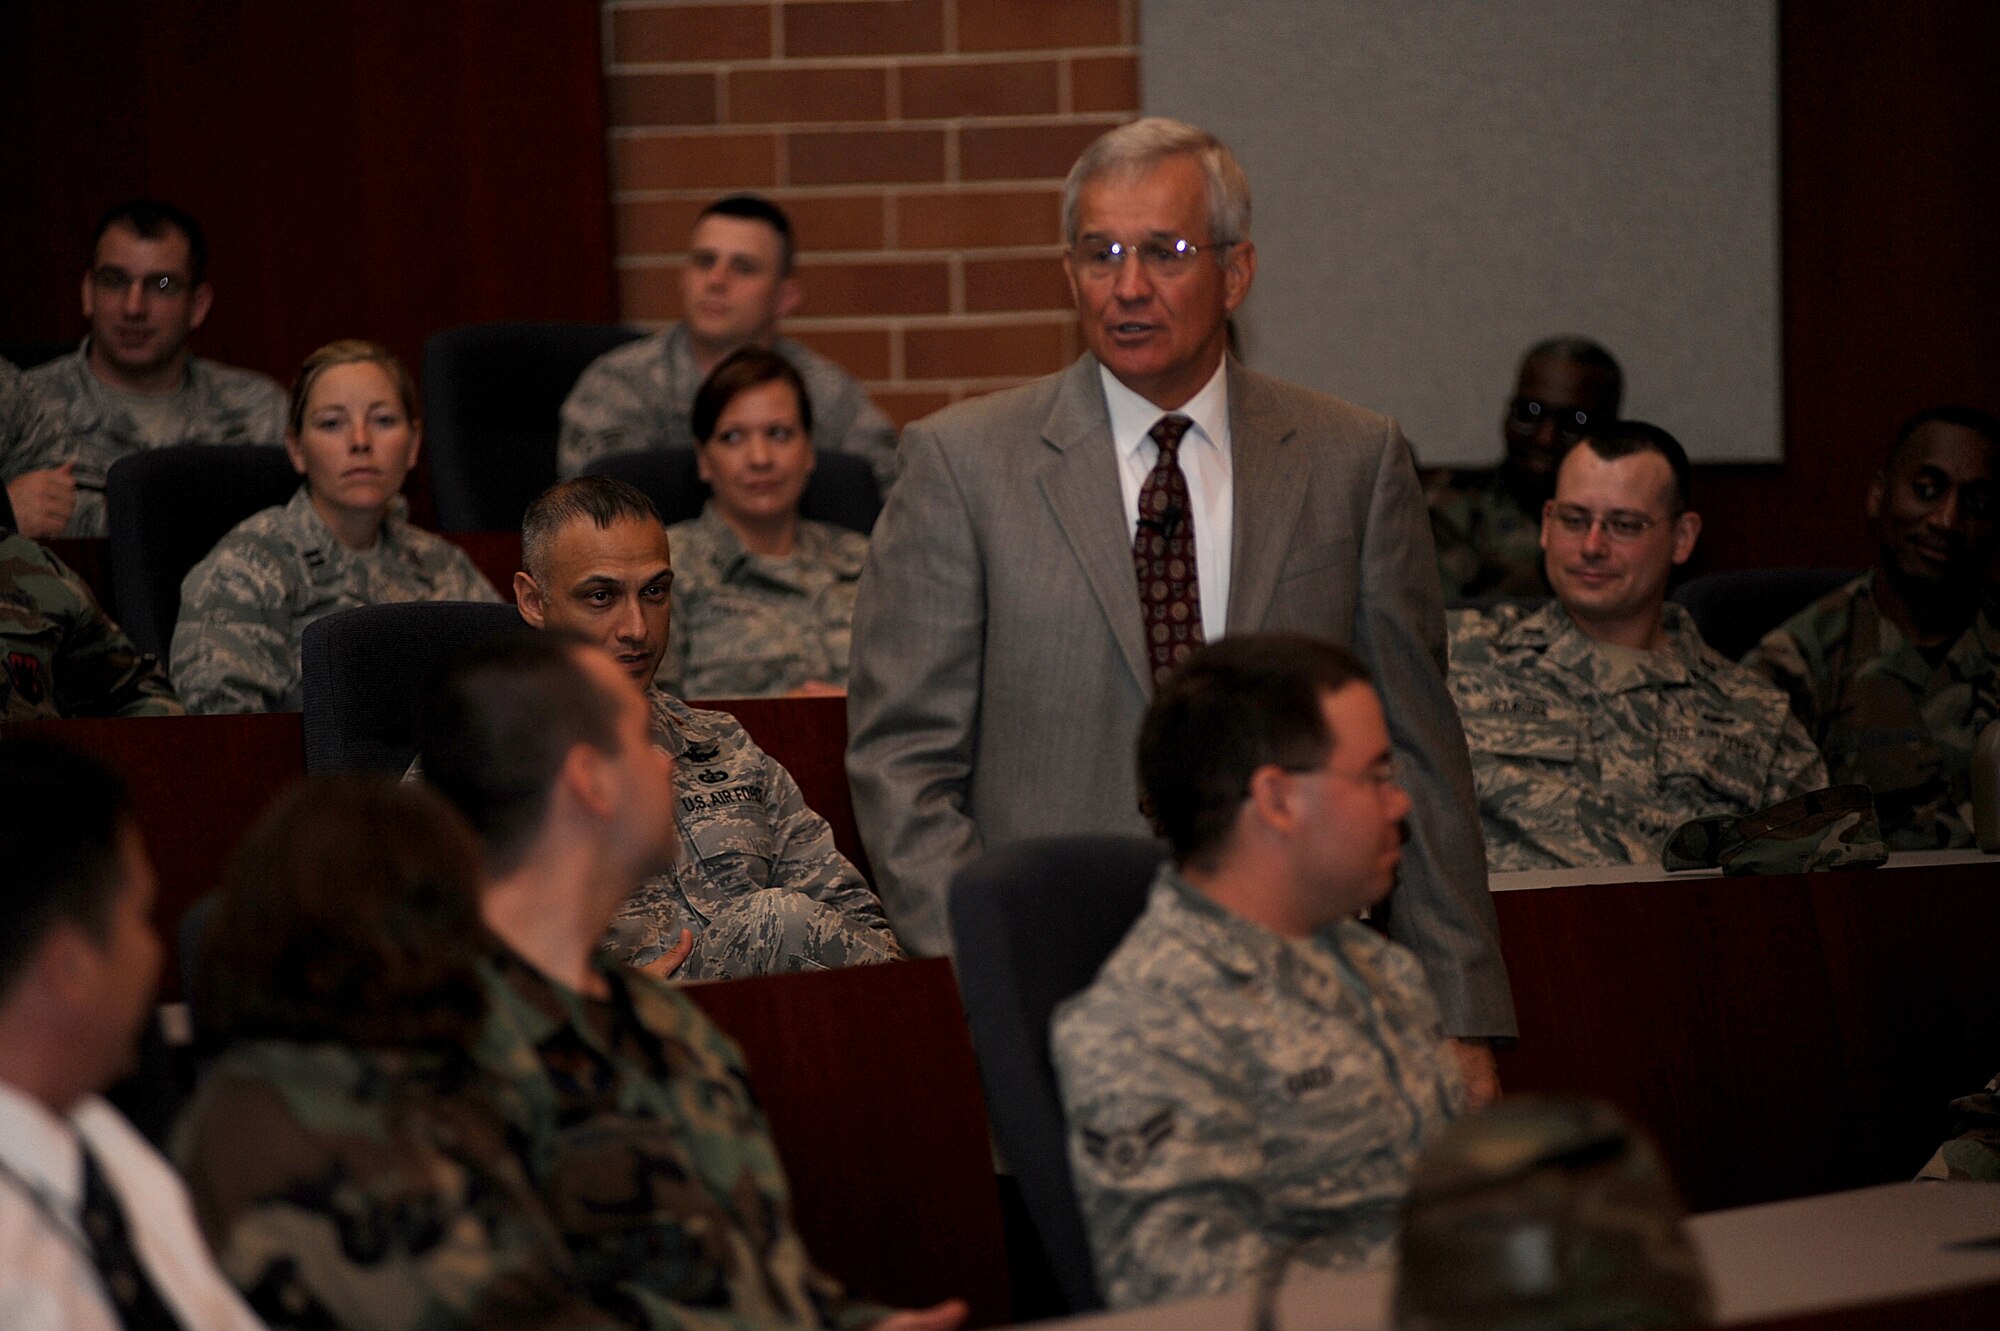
[1577,522]
[1160,256]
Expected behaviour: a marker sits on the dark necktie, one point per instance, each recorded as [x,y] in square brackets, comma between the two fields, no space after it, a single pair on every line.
[138,1303]
[1163,555]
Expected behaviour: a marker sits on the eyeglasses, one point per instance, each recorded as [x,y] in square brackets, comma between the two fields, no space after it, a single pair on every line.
[116,282]
[1529,414]
[1618,525]
[1167,257]
[1380,775]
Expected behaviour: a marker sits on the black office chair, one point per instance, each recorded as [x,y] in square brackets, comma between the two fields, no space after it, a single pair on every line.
[40,351]
[841,490]
[492,397]
[366,670]
[166,508]
[1032,922]
[1734,610]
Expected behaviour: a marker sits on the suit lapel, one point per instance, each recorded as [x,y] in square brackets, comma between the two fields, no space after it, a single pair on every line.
[1079,478]
[1268,474]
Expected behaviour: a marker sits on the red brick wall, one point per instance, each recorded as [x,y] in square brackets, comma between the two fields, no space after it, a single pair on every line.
[919,146]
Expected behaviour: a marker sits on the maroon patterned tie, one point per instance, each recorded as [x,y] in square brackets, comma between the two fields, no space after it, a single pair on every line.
[1163,555]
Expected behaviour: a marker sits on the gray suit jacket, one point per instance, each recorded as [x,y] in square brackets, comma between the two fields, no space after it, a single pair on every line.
[999,672]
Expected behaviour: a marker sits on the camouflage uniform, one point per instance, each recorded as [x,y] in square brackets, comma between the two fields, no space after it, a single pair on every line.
[1582,759]
[754,626]
[29,427]
[1884,715]
[64,655]
[245,607]
[1974,1150]
[638,1128]
[757,878]
[1230,1092]
[1487,545]
[218,404]
[639,397]
[382,1192]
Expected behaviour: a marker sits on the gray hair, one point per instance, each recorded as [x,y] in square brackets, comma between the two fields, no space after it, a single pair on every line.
[1144,144]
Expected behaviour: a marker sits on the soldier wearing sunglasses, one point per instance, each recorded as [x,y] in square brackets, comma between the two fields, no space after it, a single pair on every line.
[1601,721]
[134,384]
[1487,525]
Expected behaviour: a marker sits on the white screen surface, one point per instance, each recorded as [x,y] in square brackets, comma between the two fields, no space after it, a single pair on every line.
[1436,186]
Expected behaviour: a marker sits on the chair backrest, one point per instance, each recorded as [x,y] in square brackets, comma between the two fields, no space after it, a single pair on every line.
[366,671]
[842,489]
[1032,922]
[167,507]
[6,509]
[1733,610]
[492,397]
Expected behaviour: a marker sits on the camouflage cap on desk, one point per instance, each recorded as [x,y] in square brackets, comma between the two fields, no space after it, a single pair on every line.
[1547,1213]
[1834,828]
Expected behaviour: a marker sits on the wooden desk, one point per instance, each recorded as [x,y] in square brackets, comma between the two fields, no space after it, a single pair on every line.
[868,1077]
[1780,1035]
[1902,1255]
[808,736]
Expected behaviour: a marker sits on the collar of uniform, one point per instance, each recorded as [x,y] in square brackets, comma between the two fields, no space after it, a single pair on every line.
[325,557]
[1132,416]
[535,1005]
[1551,631]
[1245,949]
[677,727]
[198,383]
[42,1150]
[717,546]
[1971,657]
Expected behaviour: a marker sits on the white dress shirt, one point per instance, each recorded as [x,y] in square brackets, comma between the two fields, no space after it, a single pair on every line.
[1204,455]
[48,1281]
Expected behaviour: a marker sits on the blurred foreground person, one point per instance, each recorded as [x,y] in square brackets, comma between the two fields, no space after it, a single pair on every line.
[346,1160]
[632,1114]
[1546,1214]
[95,1228]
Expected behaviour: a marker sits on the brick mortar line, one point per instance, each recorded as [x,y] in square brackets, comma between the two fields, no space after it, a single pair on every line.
[945,186]
[808,63]
[929,323]
[1042,120]
[896,189]
[1052,251]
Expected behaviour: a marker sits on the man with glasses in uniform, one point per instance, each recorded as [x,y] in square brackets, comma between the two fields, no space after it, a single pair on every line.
[1602,721]
[1487,525]
[134,384]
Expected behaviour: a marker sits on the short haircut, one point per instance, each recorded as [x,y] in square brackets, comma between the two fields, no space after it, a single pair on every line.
[1982,423]
[738,372]
[496,732]
[60,815]
[756,208]
[602,499]
[350,913]
[153,219]
[1581,351]
[1246,702]
[350,351]
[1622,439]
[1143,145]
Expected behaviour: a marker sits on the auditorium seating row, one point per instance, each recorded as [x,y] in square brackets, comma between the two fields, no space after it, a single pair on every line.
[1782,1035]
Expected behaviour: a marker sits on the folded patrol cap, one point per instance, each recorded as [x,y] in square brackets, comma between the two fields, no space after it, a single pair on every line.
[1834,828]
[1545,1213]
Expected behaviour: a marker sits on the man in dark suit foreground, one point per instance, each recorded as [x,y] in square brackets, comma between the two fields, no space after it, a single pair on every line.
[1050,552]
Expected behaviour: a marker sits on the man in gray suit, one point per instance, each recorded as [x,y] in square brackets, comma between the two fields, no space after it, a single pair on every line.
[1050,552]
